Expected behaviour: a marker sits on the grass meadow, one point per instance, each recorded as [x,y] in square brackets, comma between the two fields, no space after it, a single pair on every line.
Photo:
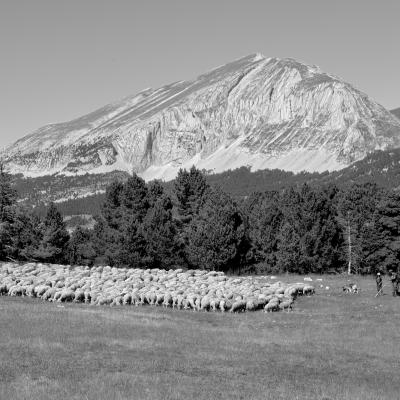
[331,346]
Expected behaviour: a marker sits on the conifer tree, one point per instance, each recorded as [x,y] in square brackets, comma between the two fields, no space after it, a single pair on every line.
[135,199]
[160,235]
[265,220]
[8,196]
[80,247]
[23,234]
[288,254]
[155,192]
[54,238]
[111,209]
[217,237]
[190,189]
[387,224]
[107,233]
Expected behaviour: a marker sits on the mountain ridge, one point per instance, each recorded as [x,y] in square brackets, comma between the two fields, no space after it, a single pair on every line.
[257,111]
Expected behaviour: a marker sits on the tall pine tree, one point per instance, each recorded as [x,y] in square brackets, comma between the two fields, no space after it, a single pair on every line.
[54,238]
[190,189]
[159,229]
[217,236]
[8,198]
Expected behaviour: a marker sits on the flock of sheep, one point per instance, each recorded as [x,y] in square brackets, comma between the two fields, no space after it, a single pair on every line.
[197,290]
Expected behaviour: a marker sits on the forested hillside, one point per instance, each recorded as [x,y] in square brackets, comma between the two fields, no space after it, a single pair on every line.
[381,168]
[194,224]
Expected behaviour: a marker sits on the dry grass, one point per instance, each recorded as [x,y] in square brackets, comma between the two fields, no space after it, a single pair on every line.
[332,346]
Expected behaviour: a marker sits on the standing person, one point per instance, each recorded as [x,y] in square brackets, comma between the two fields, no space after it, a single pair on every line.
[394,277]
[378,280]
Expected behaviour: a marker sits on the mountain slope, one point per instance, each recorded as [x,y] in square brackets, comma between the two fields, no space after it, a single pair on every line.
[257,111]
[396,112]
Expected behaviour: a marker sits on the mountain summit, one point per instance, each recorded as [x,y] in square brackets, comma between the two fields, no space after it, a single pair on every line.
[257,111]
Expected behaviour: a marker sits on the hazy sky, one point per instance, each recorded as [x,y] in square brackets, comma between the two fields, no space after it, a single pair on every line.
[62,59]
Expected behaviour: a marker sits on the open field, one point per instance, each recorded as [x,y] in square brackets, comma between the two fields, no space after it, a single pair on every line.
[331,346]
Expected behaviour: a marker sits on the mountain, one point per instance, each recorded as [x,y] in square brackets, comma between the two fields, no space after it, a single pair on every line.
[396,112]
[256,111]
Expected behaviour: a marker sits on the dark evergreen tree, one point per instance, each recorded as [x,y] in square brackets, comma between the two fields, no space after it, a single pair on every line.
[105,245]
[111,209]
[81,248]
[288,254]
[23,234]
[135,199]
[387,225]
[159,229]
[190,189]
[217,237]
[155,192]
[370,250]
[8,196]
[356,207]
[265,220]
[107,235]
[54,238]
[321,237]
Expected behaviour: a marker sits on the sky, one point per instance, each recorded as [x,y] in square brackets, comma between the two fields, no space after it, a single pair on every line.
[62,59]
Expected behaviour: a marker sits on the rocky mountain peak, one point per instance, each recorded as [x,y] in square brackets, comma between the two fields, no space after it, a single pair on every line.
[257,111]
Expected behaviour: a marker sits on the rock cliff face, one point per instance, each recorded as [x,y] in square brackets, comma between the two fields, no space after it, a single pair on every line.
[396,112]
[257,111]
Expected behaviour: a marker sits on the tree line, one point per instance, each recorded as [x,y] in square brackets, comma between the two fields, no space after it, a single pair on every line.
[197,225]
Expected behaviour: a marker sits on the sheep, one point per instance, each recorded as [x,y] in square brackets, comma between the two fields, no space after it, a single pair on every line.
[104,301]
[142,297]
[159,299]
[57,295]
[286,304]
[204,303]
[196,289]
[66,296]
[167,300]
[192,300]
[238,306]
[251,304]
[39,291]
[151,297]
[135,298]
[214,304]
[16,291]
[260,303]
[308,290]
[127,299]
[185,304]
[117,301]
[49,294]
[79,296]
[197,304]
[3,289]
[179,301]
[273,305]
[88,296]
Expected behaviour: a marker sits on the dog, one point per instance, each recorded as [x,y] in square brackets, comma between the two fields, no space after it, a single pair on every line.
[351,288]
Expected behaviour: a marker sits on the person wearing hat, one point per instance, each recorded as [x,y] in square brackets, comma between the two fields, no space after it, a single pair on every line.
[378,280]
[394,277]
